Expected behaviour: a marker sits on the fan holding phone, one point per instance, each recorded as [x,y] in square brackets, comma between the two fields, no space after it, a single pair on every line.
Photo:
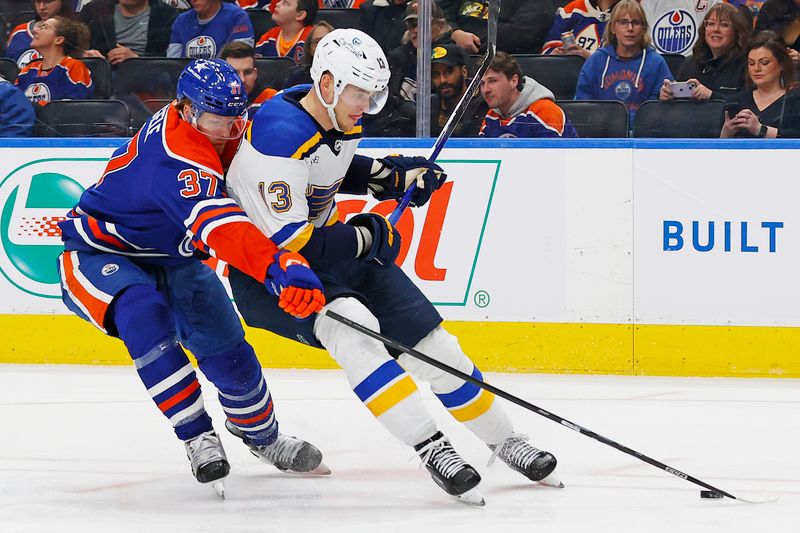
[716,67]
[771,106]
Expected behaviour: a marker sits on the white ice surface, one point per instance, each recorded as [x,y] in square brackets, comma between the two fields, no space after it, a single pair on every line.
[83,449]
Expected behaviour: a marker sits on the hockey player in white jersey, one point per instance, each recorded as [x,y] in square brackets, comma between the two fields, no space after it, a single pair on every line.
[298,152]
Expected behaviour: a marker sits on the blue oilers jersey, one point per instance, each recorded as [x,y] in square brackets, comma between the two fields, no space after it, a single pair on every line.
[191,38]
[19,45]
[69,80]
[272,44]
[288,170]
[160,198]
[542,118]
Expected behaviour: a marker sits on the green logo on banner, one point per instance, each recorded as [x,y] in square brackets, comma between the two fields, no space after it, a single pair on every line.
[34,198]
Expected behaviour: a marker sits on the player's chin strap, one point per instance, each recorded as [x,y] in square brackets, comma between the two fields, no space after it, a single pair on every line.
[330,108]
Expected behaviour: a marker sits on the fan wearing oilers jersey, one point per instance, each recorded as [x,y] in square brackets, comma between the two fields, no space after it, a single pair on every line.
[132,267]
[202,31]
[674,23]
[298,152]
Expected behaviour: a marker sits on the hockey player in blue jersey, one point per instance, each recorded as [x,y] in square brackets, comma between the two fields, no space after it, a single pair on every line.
[299,151]
[132,267]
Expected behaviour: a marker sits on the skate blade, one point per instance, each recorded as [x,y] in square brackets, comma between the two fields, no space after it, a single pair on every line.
[321,470]
[472,497]
[551,481]
[219,487]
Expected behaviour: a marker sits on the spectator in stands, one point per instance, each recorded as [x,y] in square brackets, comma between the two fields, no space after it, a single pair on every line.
[123,29]
[383,21]
[16,112]
[57,75]
[521,28]
[294,21]
[202,31]
[782,17]
[770,105]
[519,105]
[449,81]
[19,40]
[301,73]
[626,68]
[403,59]
[717,64]
[674,23]
[242,57]
[585,20]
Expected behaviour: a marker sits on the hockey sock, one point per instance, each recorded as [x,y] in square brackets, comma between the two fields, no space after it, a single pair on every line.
[467,403]
[379,382]
[144,323]
[243,392]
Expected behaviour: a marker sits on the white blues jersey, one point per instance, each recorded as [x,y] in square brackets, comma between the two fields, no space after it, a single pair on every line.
[288,170]
[674,23]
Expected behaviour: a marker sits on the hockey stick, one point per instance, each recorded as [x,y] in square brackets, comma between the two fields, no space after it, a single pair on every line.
[461,107]
[530,407]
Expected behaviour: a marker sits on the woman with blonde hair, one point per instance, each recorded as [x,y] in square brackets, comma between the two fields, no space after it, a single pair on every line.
[717,65]
[626,68]
[57,75]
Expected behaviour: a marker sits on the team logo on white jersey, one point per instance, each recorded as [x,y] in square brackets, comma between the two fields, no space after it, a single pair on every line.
[26,57]
[38,92]
[202,47]
[674,32]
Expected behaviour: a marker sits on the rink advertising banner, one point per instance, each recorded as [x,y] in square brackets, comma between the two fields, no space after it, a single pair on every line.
[614,256]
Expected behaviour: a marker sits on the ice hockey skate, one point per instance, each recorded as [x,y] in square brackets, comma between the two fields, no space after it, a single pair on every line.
[209,463]
[533,463]
[286,453]
[449,470]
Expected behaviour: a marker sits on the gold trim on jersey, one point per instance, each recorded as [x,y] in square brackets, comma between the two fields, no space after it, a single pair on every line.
[300,239]
[307,146]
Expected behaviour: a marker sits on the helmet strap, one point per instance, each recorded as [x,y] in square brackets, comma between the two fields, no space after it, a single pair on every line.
[330,108]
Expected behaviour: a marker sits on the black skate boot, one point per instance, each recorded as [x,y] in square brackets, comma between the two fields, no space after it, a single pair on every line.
[286,453]
[533,463]
[209,463]
[449,470]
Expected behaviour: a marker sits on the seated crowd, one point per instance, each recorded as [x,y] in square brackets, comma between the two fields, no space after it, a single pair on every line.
[744,53]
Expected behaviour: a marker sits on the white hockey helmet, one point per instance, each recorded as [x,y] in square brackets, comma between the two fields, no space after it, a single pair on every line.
[353,58]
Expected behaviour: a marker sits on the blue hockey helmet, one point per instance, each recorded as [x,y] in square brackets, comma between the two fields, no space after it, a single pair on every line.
[213,86]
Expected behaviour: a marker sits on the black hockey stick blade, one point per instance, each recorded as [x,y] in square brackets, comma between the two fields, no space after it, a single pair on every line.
[535,409]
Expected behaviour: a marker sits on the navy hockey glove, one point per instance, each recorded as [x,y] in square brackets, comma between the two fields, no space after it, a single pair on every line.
[379,241]
[392,175]
[298,289]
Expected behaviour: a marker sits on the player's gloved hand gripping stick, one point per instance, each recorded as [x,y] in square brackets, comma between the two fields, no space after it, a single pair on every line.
[461,107]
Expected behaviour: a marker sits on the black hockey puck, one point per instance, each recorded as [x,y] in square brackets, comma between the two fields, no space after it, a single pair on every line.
[710,494]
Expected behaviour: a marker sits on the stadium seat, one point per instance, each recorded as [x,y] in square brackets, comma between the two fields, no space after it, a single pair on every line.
[18,18]
[146,78]
[272,71]
[8,69]
[3,34]
[147,108]
[82,118]
[597,118]
[674,62]
[100,70]
[679,119]
[557,73]
[339,17]
[261,20]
